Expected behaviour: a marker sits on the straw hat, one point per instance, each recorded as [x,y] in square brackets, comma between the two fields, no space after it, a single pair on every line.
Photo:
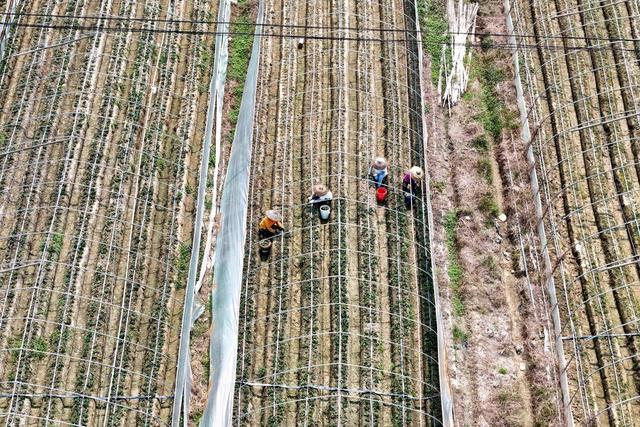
[416,173]
[273,215]
[380,163]
[320,190]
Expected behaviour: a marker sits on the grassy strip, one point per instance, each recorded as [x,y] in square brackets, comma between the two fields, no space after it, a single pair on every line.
[239,54]
[495,117]
[492,116]
[435,29]
[454,269]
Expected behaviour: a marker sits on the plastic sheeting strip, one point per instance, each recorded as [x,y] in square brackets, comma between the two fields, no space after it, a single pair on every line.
[6,24]
[229,258]
[446,399]
[191,313]
[221,62]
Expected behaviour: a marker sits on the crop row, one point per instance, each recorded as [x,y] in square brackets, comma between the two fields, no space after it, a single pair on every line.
[90,321]
[332,325]
[586,128]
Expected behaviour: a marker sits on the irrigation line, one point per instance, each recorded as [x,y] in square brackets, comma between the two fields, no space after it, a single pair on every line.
[228,23]
[348,391]
[608,46]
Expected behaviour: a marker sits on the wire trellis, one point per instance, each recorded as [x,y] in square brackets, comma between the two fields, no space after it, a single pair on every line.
[95,164]
[340,323]
[582,107]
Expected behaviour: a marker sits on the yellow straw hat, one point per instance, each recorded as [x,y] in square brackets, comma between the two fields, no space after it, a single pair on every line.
[417,173]
[320,190]
[273,215]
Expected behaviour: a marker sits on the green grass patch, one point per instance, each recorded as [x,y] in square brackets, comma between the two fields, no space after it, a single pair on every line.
[454,270]
[460,336]
[40,347]
[239,55]
[181,264]
[435,33]
[489,206]
[492,107]
[481,143]
[485,169]
[503,371]
[55,244]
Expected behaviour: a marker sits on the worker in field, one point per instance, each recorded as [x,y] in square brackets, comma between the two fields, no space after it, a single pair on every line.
[320,195]
[270,225]
[379,172]
[411,182]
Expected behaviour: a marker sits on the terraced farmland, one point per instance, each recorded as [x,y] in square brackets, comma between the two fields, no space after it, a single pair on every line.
[582,85]
[338,327]
[100,136]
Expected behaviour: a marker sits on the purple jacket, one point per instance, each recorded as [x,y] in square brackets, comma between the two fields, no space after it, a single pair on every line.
[408,182]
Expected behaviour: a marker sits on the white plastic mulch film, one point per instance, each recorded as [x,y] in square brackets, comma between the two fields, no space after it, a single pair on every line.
[5,23]
[192,310]
[229,258]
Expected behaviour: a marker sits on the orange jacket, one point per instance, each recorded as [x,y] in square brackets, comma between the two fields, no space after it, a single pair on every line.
[269,224]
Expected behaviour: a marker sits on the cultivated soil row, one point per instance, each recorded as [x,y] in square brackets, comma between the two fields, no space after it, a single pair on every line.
[337,327]
[582,88]
[99,150]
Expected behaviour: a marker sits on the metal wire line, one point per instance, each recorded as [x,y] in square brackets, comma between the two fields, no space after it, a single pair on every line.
[294,26]
[552,62]
[306,36]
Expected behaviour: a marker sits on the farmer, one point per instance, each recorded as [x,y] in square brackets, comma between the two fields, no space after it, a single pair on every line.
[270,225]
[378,171]
[320,195]
[411,184]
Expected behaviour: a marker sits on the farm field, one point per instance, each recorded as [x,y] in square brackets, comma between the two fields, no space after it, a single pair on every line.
[506,295]
[581,90]
[100,142]
[338,326]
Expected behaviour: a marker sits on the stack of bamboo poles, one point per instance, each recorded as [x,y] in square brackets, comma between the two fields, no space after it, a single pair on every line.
[454,71]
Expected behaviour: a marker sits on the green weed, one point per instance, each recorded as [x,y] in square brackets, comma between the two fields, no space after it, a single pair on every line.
[40,347]
[485,170]
[489,206]
[460,336]
[435,29]
[455,269]
[480,143]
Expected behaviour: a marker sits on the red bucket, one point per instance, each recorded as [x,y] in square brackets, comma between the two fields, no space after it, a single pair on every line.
[381,194]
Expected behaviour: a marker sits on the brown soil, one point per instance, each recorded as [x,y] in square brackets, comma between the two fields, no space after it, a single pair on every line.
[495,328]
[588,160]
[96,211]
[336,311]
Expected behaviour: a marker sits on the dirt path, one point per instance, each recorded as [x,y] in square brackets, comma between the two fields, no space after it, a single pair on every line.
[497,329]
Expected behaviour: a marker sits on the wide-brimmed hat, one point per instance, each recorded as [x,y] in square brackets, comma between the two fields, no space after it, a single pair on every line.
[273,215]
[320,190]
[380,163]
[416,173]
